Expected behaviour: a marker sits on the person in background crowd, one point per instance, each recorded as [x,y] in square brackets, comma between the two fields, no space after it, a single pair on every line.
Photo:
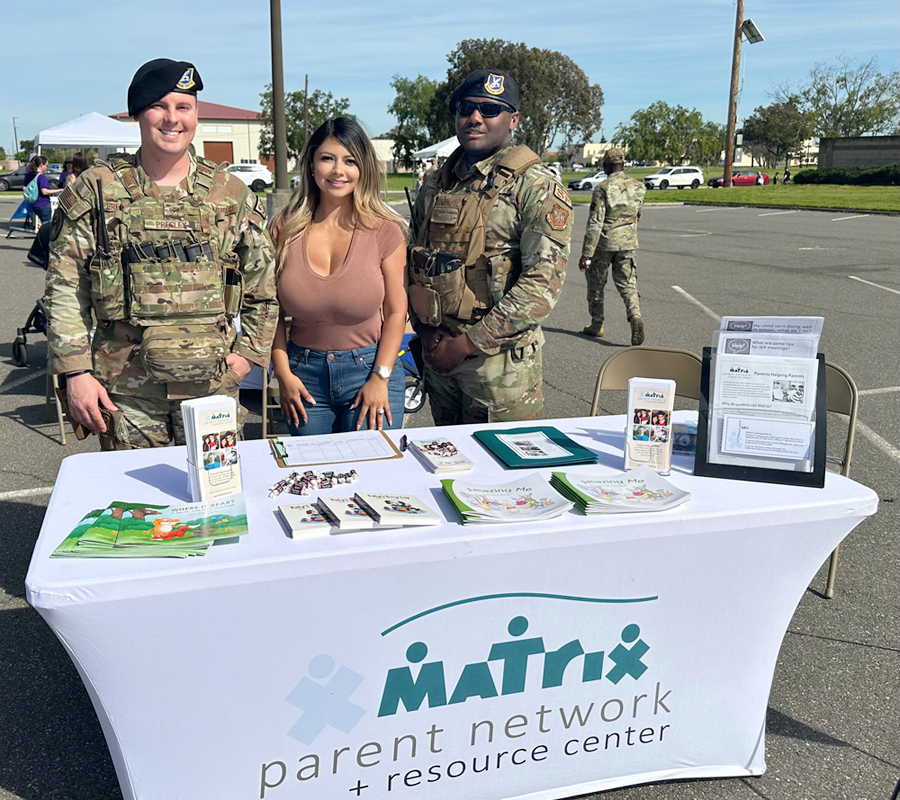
[36,169]
[66,173]
[610,240]
[79,165]
[341,257]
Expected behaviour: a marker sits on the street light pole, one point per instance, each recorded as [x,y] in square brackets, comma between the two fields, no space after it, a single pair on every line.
[16,136]
[732,97]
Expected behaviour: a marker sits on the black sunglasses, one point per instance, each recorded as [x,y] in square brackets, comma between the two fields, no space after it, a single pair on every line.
[464,108]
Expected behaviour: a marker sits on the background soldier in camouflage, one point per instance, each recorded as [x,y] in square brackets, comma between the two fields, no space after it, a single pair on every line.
[157,312]
[483,360]
[611,240]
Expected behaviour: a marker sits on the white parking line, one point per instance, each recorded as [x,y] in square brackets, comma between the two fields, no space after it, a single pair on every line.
[856,216]
[696,302]
[876,285]
[719,208]
[885,390]
[24,379]
[882,444]
[694,234]
[25,493]
[776,213]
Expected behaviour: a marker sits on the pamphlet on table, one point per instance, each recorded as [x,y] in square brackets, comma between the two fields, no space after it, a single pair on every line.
[535,446]
[529,497]
[641,489]
[210,431]
[648,432]
[146,530]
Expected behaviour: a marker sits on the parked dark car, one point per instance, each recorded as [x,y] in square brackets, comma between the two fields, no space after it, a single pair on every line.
[743,177]
[16,179]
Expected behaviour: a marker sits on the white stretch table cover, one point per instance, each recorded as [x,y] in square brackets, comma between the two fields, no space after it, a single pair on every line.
[283,668]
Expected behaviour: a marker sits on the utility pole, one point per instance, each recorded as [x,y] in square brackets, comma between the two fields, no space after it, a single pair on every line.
[15,153]
[277,199]
[732,97]
[305,109]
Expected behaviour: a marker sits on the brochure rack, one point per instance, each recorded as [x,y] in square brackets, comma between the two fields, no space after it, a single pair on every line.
[797,472]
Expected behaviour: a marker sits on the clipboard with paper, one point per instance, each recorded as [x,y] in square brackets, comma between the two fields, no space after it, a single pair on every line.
[333,448]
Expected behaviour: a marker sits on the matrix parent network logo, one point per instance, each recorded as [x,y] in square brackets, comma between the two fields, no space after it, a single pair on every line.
[326,696]
[325,704]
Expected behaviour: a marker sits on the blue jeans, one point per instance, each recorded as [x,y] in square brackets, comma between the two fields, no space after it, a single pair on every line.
[334,379]
[43,213]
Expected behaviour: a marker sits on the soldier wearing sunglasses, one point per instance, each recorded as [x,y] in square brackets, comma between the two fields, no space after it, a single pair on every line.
[492,233]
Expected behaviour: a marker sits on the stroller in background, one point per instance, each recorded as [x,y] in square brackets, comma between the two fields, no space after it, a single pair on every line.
[39,254]
[414,397]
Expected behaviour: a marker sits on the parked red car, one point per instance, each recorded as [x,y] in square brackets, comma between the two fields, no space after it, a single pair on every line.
[743,177]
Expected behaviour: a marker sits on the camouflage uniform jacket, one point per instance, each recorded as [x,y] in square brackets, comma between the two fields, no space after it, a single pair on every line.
[615,211]
[527,236]
[231,218]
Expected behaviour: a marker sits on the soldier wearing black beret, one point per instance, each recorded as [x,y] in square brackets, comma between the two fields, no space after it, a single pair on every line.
[508,222]
[164,249]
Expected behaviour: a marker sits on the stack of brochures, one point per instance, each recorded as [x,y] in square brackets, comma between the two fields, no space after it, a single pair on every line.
[210,432]
[368,510]
[533,447]
[528,498]
[440,455]
[145,530]
[641,489]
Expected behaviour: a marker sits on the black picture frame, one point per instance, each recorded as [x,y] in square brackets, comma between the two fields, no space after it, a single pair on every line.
[707,469]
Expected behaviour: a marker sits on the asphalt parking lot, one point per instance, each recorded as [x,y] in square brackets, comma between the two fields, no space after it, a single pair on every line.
[835,705]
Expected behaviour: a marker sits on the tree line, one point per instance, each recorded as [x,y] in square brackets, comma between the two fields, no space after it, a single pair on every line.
[558,103]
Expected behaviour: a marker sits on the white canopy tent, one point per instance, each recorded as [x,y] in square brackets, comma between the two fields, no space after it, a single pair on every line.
[439,150]
[89,130]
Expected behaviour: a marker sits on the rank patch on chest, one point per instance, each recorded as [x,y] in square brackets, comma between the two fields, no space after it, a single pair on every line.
[558,217]
[445,215]
[562,195]
[169,225]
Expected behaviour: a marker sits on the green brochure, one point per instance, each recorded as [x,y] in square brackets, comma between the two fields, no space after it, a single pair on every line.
[534,447]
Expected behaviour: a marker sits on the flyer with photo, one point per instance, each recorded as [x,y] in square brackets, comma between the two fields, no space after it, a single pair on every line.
[648,433]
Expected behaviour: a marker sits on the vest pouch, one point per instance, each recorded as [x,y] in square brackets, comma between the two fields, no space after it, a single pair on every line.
[443,275]
[165,288]
[426,303]
[108,286]
[183,353]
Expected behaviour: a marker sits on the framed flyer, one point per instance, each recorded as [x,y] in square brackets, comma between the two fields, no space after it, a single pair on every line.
[762,419]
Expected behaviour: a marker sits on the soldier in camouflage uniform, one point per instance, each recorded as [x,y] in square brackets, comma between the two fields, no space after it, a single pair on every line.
[493,230]
[162,257]
[611,241]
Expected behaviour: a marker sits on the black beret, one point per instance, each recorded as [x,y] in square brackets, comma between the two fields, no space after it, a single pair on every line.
[159,77]
[493,83]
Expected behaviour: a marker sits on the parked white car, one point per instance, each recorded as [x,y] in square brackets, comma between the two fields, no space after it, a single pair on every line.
[672,177]
[256,176]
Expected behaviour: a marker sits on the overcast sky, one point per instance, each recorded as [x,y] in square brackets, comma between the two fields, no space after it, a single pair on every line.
[678,52]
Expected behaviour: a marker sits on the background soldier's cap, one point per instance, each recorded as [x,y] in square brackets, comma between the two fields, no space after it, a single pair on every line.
[615,155]
[157,78]
[494,84]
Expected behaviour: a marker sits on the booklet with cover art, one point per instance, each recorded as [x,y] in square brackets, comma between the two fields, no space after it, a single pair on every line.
[641,489]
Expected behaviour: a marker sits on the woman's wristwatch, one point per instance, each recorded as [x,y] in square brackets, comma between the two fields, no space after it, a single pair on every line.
[382,372]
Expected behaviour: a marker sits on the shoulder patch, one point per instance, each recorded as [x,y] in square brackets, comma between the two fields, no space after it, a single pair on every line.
[558,217]
[72,202]
[561,194]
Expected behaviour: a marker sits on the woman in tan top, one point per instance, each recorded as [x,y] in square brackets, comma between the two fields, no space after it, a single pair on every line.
[341,260]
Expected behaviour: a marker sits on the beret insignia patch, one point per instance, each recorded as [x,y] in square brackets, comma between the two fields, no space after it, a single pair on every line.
[562,195]
[187,80]
[494,84]
[558,217]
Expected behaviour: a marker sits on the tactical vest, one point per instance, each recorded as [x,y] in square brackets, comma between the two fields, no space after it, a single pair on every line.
[449,267]
[157,265]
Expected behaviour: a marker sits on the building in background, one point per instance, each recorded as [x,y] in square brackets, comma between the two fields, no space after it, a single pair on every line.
[225,134]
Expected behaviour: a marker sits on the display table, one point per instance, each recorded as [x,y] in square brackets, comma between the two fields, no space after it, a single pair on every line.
[539,659]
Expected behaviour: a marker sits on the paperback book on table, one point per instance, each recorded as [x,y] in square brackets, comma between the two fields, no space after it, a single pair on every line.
[440,455]
[210,431]
[345,514]
[527,498]
[641,489]
[144,530]
[534,447]
[305,520]
[396,510]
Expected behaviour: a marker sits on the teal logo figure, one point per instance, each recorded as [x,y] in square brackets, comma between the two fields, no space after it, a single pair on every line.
[325,705]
